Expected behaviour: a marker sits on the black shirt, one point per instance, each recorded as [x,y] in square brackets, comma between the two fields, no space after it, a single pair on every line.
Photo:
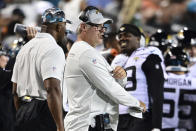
[155,80]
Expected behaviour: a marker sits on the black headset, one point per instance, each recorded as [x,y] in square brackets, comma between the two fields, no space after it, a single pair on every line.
[84,16]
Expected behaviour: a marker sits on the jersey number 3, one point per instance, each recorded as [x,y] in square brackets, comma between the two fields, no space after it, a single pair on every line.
[131,78]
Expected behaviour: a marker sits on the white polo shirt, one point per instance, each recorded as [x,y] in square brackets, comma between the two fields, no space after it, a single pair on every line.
[91,89]
[39,59]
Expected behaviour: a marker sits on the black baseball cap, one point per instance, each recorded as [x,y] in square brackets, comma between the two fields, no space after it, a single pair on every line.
[129,28]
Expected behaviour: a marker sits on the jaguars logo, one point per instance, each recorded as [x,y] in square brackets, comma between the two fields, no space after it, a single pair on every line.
[136,58]
[122,28]
[97,11]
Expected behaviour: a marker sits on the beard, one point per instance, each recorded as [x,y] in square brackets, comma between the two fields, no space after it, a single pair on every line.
[62,44]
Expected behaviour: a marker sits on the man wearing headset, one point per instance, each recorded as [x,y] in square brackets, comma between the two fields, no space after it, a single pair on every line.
[92,85]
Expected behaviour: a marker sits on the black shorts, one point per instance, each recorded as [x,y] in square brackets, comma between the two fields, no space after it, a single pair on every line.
[168,129]
[34,116]
[130,123]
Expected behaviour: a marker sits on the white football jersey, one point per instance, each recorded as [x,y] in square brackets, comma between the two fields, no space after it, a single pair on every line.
[179,93]
[186,99]
[119,60]
[192,70]
[136,79]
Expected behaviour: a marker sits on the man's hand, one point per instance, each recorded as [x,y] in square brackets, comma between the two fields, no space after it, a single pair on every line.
[143,106]
[60,129]
[3,61]
[119,73]
[31,32]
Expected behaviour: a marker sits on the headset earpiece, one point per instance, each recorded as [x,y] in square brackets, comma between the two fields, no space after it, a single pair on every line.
[83,16]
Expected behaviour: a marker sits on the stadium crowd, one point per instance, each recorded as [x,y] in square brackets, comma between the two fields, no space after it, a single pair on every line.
[98,65]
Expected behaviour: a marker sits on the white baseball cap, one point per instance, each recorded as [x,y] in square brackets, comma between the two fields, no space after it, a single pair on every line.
[92,15]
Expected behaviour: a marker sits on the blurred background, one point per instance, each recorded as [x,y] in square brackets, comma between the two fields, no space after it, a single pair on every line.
[171,16]
[149,15]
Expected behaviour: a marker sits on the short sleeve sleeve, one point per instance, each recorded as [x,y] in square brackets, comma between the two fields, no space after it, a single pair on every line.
[52,65]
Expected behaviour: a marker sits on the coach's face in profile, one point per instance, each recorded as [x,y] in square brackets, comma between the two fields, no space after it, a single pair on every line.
[96,33]
[93,34]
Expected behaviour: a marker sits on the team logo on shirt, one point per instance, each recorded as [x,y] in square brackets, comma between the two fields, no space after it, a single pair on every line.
[122,28]
[152,51]
[53,68]
[94,61]
[97,11]
[136,58]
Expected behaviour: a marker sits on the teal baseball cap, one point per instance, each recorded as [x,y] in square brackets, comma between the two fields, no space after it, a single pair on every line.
[54,15]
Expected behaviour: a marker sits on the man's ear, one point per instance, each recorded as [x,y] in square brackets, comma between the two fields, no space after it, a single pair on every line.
[138,39]
[44,28]
[58,27]
[83,27]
